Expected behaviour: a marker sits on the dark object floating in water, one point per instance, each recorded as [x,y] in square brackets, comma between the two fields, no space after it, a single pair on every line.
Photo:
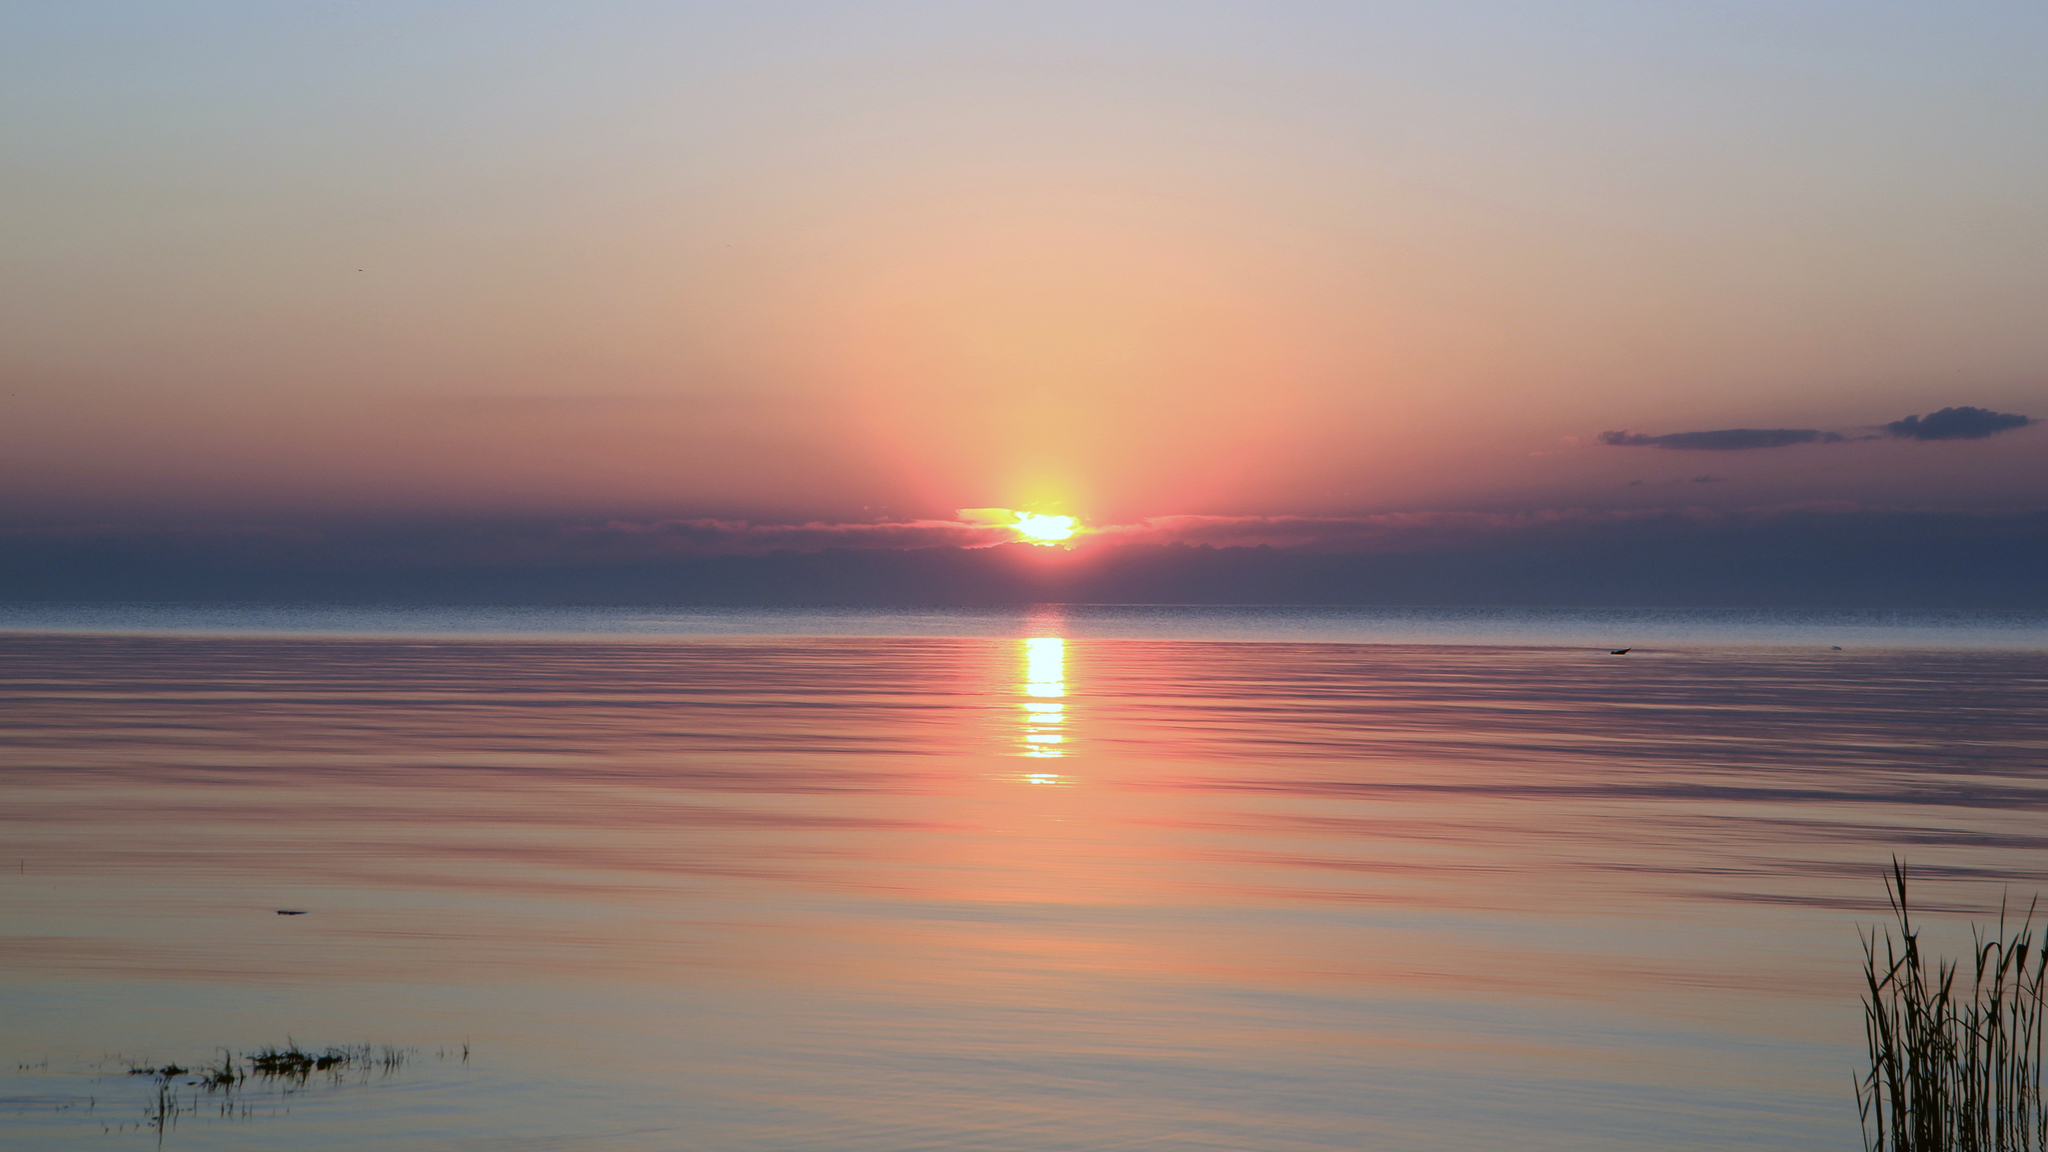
[1835,647]
[1620,651]
[291,911]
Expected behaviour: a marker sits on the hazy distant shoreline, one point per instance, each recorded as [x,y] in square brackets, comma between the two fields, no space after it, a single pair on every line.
[1640,628]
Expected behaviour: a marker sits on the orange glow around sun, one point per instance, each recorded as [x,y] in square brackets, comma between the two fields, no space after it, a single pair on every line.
[1030,527]
[1040,529]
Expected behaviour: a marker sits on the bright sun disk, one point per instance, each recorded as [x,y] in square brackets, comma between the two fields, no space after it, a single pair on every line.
[1040,529]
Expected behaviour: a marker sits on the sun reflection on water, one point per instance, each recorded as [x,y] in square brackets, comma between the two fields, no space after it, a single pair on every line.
[1045,710]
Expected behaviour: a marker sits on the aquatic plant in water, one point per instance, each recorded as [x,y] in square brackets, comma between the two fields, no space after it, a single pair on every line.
[180,1090]
[1953,1067]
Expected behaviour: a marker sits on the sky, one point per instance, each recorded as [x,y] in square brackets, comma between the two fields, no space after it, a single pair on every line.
[858,266]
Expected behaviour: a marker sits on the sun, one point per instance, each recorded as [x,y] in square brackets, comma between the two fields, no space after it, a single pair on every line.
[1030,527]
[1039,529]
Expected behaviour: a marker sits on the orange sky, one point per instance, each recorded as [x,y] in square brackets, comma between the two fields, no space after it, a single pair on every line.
[888,261]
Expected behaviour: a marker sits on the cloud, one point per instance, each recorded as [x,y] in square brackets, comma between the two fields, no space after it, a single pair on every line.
[1963,423]
[995,517]
[1722,440]
[740,537]
[1385,533]
[1810,556]
[555,545]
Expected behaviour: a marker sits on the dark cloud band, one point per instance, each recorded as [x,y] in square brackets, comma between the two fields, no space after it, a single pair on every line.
[1806,557]
[1722,440]
[1961,423]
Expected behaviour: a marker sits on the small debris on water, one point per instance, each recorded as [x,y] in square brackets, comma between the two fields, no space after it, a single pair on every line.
[291,911]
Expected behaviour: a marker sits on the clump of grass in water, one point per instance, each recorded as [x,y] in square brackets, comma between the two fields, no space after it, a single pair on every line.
[293,1063]
[289,1066]
[1953,1068]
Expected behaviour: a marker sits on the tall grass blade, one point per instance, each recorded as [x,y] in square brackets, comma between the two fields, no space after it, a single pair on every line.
[1955,1066]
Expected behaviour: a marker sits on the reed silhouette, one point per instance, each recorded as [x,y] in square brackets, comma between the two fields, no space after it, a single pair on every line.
[1954,1066]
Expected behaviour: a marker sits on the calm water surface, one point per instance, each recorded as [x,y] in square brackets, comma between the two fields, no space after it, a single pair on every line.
[1048,890]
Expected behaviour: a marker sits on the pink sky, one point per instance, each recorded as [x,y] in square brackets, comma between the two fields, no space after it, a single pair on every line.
[1225,260]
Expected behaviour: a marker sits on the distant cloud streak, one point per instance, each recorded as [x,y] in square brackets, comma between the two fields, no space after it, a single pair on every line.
[622,541]
[1722,440]
[1391,532]
[740,537]
[1960,423]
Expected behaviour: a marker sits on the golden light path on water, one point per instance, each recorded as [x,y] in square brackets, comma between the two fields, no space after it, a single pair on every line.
[1044,706]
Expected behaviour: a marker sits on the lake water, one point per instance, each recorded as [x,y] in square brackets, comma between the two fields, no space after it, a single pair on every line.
[1075,879]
